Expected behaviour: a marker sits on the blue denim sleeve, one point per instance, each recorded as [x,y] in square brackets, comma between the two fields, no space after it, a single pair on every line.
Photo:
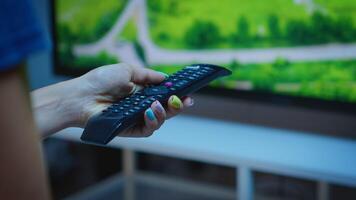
[21,34]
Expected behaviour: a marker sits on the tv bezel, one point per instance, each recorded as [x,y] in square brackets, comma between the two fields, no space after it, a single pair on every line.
[253,95]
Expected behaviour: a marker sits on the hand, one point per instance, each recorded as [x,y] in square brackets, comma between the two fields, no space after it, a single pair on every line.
[102,86]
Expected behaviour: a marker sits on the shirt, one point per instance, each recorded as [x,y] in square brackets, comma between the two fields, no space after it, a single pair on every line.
[20,32]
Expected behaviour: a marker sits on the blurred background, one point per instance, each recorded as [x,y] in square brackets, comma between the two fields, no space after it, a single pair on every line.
[293,81]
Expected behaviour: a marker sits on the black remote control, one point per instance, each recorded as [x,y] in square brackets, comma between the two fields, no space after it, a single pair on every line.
[102,128]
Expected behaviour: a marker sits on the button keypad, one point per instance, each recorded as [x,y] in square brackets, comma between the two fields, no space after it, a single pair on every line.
[142,99]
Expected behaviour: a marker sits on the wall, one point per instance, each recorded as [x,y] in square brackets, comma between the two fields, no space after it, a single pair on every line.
[40,69]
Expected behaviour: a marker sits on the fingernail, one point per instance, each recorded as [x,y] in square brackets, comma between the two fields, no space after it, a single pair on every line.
[159,107]
[176,102]
[164,74]
[191,103]
[150,114]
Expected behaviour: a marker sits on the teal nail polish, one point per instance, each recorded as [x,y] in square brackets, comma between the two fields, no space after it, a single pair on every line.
[150,114]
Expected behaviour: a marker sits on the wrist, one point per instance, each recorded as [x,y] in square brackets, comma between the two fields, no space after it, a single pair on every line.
[57,106]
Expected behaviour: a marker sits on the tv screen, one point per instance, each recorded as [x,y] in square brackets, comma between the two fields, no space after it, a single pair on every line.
[300,50]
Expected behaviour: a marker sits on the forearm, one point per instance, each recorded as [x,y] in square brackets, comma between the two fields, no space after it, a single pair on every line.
[22,171]
[56,107]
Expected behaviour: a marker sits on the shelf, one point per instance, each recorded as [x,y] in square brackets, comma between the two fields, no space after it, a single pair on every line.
[271,150]
[153,186]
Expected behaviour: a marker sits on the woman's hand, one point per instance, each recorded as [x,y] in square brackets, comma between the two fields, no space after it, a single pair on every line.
[73,102]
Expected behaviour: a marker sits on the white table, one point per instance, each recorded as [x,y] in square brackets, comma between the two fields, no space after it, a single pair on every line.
[248,148]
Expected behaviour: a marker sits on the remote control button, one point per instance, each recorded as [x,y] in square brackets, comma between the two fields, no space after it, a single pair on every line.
[204,71]
[182,83]
[126,105]
[172,88]
[150,101]
[110,107]
[191,72]
[121,107]
[126,113]
[137,108]
[193,67]
[132,111]
[156,90]
[168,84]
[196,75]
[142,97]
[186,74]
[208,68]
[115,111]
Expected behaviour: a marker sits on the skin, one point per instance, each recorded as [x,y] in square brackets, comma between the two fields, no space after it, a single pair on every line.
[22,170]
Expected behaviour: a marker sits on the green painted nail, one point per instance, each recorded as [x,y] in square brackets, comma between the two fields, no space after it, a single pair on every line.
[164,74]
[150,114]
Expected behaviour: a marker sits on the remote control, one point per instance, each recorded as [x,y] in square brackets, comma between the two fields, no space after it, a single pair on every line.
[103,127]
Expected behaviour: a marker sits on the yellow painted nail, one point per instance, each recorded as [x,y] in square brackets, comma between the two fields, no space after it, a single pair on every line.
[176,102]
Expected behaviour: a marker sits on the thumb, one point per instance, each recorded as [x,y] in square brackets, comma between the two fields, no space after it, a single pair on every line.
[144,76]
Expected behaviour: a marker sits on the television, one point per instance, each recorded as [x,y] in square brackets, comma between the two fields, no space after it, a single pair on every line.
[287,52]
